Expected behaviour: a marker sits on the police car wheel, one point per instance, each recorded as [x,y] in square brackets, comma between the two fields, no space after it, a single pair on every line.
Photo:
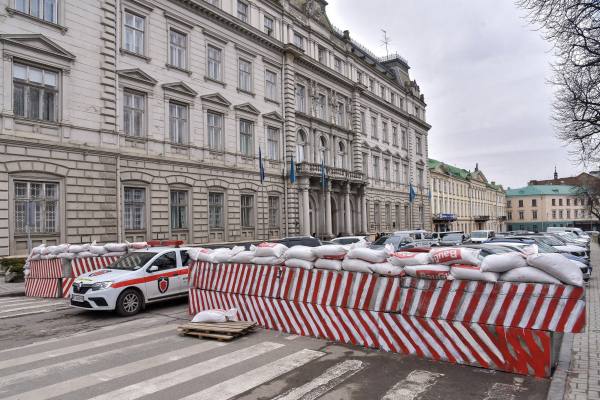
[129,303]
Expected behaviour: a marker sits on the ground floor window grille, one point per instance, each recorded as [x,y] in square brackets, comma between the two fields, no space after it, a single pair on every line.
[247,209]
[273,211]
[44,197]
[134,208]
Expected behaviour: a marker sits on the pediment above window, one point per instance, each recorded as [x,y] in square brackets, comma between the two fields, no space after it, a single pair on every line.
[420,163]
[387,152]
[35,46]
[248,108]
[273,116]
[180,88]
[137,75]
[376,148]
[216,98]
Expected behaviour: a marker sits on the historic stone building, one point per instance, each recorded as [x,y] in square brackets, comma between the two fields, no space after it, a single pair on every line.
[143,119]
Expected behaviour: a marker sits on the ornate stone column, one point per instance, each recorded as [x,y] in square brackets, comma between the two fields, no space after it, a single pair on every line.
[304,186]
[348,219]
[365,219]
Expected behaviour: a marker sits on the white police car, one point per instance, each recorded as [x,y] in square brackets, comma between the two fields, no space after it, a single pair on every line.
[136,279]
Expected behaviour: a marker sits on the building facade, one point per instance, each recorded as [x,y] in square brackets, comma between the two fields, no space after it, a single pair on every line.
[144,119]
[537,207]
[464,200]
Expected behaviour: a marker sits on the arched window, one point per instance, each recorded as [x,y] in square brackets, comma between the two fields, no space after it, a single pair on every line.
[340,155]
[300,143]
[322,149]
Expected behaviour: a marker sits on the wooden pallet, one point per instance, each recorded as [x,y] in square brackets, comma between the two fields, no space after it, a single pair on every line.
[217,330]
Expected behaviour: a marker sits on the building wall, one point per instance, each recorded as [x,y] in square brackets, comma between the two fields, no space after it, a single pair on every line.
[548,213]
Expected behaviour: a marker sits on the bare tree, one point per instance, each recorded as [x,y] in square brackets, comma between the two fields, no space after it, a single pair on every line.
[573,27]
[587,194]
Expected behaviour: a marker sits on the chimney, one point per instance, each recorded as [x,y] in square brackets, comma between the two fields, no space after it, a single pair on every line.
[493,183]
[477,167]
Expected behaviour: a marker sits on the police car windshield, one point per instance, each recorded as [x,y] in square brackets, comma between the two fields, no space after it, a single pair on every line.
[132,261]
[394,240]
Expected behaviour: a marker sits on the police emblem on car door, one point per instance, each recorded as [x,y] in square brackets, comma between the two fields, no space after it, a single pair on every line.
[163,284]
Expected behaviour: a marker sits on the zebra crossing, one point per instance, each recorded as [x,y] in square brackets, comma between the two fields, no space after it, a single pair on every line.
[147,359]
[12,307]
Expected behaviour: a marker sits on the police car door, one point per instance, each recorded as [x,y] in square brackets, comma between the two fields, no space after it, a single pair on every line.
[165,280]
[186,262]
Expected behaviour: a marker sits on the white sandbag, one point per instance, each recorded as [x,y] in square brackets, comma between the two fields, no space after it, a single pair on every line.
[114,254]
[404,258]
[333,265]
[361,243]
[48,250]
[78,248]
[216,316]
[68,256]
[387,269]
[530,250]
[270,250]
[558,266]
[298,263]
[370,255]
[331,251]
[431,271]
[36,257]
[136,246]
[116,247]
[50,256]
[301,253]
[43,257]
[455,255]
[356,265]
[200,254]
[38,249]
[26,272]
[503,262]
[244,257]
[84,254]
[268,260]
[528,275]
[472,273]
[98,250]
[61,248]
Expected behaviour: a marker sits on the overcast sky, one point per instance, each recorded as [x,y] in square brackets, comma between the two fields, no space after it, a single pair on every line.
[482,70]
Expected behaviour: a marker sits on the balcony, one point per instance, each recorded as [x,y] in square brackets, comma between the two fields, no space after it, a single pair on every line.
[443,217]
[481,218]
[339,174]
[502,219]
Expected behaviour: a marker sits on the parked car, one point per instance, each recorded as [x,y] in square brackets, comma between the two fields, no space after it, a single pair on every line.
[481,236]
[557,244]
[502,234]
[576,231]
[571,238]
[399,242]
[440,235]
[453,239]
[349,240]
[300,240]
[421,237]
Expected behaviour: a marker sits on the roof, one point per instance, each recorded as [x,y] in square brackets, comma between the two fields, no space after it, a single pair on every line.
[459,172]
[541,190]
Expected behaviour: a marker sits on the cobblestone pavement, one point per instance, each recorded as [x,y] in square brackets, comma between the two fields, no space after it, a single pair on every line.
[583,381]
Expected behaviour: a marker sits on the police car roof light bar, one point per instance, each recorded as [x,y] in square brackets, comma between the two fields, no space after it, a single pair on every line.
[175,243]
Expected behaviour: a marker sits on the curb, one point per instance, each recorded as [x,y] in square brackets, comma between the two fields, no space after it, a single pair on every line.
[13,294]
[559,378]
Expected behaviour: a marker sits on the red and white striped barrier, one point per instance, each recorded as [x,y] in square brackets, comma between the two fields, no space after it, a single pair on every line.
[67,283]
[544,307]
[46,268]
[258,280]
[42,287]
[80,266]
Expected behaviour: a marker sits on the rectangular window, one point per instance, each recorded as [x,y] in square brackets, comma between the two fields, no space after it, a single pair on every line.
[35,92]
[534,214]
[178,209]
[404,140]
[134,33]
[419,146]
[533,203]
[560,202]
[388,215]
[417,112]
[395,136]
[242,11]
[392,98]
[365,163]
[214,63]
[215,210]
[337,63]
[271,87]
[245,138]
[520,203]
[247,211]
[177,49]
[244,75]
[272,143]
[214,131]
[509,215]
[177,122]
[420,179]
[44,9]
[375,167]
[396,172]
[376,213]
[358,76]
[298,41]
[340,114]
[575,214]
[321,55]
[134,201]
[509,203]
[554,214]
[560,214]
[133,114]
[300,98]
[421,219]
[386,170]
[374,127]
[382,92]
[321,106]
[405,168]
[568,214]
[44,197]
[273,211]
[521,215]
[268,28]
[371,86]
[553,202]
[384,131]
[362,122]
[575,202]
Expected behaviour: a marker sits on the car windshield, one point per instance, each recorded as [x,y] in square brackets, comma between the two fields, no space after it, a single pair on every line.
[479,234]
[452,237]
[546,248]
[393,240]
[553,241]
[132,261]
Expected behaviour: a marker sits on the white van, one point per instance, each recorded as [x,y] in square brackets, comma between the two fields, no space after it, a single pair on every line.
[440,235]
[581,234]
[481,236]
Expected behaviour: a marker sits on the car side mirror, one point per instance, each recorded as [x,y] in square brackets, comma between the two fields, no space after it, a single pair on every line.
[153,268]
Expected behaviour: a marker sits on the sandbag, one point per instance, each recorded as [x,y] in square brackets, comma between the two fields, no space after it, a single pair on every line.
[472,273]
[78,248]
[270,250]
[455,255]
[61,248]
[370,255]
[114,254]
[98,250]
[201,254]
[530,250]
[224,255]
[244,257]
[216,316]
[528,275]
[26,272]
[116,247]
[48,250]
[68,256]
[268,260]
[431,271]
[404,258]
[333,265]
[387,269]
[136,246]
[50,256]
[356,265]
[503,262]
[301,253]
[298,263]
[558,266]
[84,254]
[36,257]
[331,251]
[38,249]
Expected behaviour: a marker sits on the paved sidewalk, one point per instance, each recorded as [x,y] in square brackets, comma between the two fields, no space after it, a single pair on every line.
[6,288]
[583,381]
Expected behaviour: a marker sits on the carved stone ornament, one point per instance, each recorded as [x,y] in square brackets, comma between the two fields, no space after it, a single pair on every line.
[314,10]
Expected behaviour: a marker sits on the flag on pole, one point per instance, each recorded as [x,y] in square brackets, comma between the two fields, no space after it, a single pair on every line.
[323,178]
[412,194]
[292,173]
[421,195]
[261,166]
[429,196]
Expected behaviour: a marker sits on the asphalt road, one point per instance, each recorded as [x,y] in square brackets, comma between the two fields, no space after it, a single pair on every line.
[48,350]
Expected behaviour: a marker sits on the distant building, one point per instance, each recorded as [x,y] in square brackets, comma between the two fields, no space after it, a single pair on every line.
[581,179]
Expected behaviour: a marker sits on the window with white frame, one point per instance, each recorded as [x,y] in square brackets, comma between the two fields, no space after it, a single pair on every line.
[509,215]
[177,49]
[272,143]
[404,139]
[376,213]
[179,209]
[134,201]
[382,92]
[215,210]
[245,138]
[46,9]
[417,112]
[365,163]
[397,172]
[373,127]
[337,65]
[300,143]
[177,122]
[340,114]
[271,86]
[375,167]
[386,170]
[214,63]
[300,98]
[322,150]
[419,146]
[340,155]
[133,114]
[371,86]
[273,211]
[521,215]
[268,26]
[394,136]
[534,214]
[406,177]
[242,11]
[134,33]
[321,106]
[321,55]
[298,41]
[358,76]
[362,122]
[392,98]
[560,214]
[214,124]
[384,131]
[44,196]
[35,93]
[244,75]
[575,214]
[247,204]
[388,214]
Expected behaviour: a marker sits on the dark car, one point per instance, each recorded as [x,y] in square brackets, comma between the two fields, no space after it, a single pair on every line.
[300,241]
[453,239]
[400,243]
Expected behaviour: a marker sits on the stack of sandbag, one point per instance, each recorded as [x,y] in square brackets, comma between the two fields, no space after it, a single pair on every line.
[463,264]
[330,256]
[371,261]
[269,254]
[136,246]
[300,257]
[404,259]
[244,257]
[115,249]
[554,265]
[222,255]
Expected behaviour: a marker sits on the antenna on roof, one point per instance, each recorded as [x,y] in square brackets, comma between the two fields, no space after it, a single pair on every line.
[385,41]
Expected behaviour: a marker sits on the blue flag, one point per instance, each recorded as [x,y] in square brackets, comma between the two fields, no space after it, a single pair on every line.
[261,166]
[292,173]
[323,179]
[429,196]
[412,194]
